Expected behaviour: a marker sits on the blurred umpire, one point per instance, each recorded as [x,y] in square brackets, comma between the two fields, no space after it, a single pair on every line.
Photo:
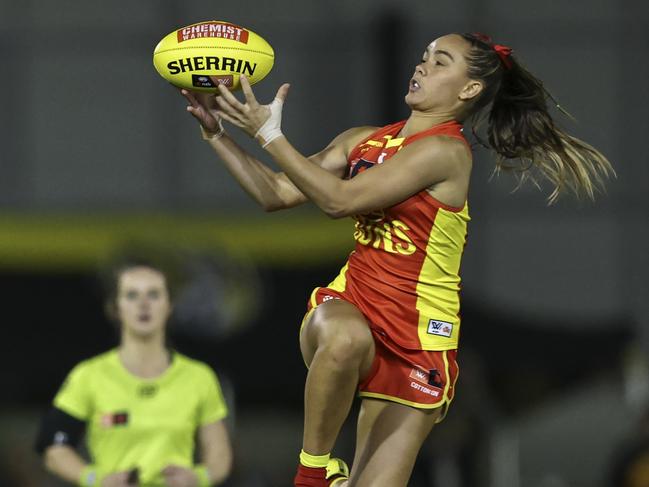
[144,408]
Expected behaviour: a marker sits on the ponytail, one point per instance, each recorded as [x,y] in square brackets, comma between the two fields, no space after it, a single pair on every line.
[521,131]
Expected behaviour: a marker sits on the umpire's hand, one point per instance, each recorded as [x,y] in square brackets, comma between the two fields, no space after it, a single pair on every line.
[176,476]
[119,479]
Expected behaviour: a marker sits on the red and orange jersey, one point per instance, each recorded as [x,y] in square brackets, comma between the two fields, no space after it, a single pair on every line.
[404,272]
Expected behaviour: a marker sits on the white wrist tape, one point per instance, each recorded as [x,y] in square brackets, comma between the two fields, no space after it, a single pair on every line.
[272,128]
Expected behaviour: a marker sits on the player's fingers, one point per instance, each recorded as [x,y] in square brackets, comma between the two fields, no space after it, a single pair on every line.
[225,106]
[172,468]
[208,100]
[117,479]
[230,98]
[199,114]
[282,93]
[196,112]
[247,90]
[232,120]
[190,97]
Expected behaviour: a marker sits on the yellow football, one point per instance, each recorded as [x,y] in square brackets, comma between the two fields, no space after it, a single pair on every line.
[204,55]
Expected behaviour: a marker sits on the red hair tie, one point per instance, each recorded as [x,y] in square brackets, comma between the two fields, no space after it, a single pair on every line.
[504,54]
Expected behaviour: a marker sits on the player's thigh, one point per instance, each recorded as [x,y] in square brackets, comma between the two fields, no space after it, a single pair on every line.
[337,321]
[389,438]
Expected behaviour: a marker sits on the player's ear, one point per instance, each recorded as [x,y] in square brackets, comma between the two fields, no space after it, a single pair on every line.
[471,90]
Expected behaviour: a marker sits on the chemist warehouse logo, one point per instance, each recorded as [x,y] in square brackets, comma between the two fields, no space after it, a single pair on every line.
[217,30]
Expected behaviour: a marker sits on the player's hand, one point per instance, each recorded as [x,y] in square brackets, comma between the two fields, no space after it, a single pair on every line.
[176,476]
[118,479]
[202,106]
[251,116]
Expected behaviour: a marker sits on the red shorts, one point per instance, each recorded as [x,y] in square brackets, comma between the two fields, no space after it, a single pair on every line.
[419,378]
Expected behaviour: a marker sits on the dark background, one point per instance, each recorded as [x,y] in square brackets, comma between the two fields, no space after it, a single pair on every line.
[96,153]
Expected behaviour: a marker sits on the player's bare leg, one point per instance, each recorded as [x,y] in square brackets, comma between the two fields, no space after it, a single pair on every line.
[338,347]
[389,437]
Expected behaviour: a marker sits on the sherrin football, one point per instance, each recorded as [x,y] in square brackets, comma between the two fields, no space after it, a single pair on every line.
[202,56]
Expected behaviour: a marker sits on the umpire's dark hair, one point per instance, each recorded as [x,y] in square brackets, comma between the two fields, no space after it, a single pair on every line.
[112,271]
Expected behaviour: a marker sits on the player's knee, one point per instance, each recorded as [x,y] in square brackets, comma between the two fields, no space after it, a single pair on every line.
[338,332]
[344,350]
[345,346]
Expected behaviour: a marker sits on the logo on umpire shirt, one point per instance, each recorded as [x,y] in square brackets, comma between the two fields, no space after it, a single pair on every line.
[440,328]
[147,390]
[110,420]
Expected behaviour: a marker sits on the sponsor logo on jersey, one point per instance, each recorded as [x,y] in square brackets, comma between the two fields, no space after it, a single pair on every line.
[329,297]
[220,30]
[440,328]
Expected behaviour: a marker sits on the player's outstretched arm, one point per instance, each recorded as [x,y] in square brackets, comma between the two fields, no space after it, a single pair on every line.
[272,190]
[422,164]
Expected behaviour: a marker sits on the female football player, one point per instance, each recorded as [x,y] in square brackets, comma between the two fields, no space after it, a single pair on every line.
[141,405]
[387,327]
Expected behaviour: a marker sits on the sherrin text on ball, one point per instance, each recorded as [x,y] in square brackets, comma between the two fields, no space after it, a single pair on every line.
[207,54]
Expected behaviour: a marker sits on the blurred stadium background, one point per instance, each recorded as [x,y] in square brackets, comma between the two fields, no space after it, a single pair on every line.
[97,153]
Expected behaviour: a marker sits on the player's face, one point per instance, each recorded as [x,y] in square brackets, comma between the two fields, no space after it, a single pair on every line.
[143,305]
[440,80]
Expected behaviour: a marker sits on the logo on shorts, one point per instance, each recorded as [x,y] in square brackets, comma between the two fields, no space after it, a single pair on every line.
[419,375]
[440,328]
[424,389]
[430,378]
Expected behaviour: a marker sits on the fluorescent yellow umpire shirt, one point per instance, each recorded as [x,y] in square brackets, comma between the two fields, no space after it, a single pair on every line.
[141,423]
